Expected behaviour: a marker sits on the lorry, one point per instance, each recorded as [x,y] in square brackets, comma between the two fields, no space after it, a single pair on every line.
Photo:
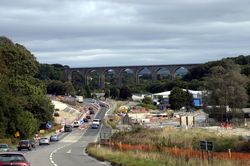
[79,99]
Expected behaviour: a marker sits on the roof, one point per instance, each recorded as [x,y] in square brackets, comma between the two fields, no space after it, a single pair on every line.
[167,93]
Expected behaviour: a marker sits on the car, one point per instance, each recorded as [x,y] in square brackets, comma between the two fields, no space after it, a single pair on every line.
[85,120]
[13,158]
[44,141]
[67,128]
[95,126]
[32,142]
[76,123]
[56,114]
[88,117]
[54,138]
[4,148]
[96,121]
[24,144]
[91,111]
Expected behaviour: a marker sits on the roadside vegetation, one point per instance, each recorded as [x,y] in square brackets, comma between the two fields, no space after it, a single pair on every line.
[181,138]
[139,158]
[171,147]
[24,107]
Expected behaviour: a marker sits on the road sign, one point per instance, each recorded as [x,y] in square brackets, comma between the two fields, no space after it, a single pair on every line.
[48,125]
[17,134]
[203,145]
[206,145]
[210,146]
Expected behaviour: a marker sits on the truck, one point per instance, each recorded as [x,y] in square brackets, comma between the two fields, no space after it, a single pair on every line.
[79,99]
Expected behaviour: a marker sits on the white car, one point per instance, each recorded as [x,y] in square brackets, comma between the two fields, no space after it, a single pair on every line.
[96,122]
[44,141]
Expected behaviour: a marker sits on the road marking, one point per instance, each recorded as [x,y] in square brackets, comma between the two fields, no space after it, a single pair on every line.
[52,153]
[69,151]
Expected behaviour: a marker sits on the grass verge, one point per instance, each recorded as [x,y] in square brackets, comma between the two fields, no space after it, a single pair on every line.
[139,158]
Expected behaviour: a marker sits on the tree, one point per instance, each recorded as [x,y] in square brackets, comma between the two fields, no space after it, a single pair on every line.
[69,88]
[125,93]
[179,98]
[26,124]
[56,88]
[147,100]
[22,97]
[226,85]
[87,91]
[114,92]
[189,100]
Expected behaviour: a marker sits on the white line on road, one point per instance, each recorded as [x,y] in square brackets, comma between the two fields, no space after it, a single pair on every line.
[69,151]
[51,154]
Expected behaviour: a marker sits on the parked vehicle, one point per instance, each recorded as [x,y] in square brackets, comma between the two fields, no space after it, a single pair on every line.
[54,138]
[4,148]
[88,117]
[76,123]
[24,144]
[85,120]
[67,128]
[91,111]
[56,114]
[12,158]
[44,141]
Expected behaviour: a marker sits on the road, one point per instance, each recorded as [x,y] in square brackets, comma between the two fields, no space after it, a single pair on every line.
[69,151]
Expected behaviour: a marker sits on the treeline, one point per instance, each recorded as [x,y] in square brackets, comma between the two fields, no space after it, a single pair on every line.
[57,84]
[24,106]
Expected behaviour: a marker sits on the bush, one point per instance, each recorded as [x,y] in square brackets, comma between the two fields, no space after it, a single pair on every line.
[148,106]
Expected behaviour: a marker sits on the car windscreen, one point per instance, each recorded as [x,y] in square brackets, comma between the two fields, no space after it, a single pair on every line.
[24,142]
[11,158]
[3,146]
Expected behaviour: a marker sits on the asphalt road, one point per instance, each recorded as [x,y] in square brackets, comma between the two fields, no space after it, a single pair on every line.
[69,151]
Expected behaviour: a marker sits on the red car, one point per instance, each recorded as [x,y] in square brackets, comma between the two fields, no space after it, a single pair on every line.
[12,158]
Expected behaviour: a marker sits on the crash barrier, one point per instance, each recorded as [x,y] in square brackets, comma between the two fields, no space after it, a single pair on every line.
[190,153]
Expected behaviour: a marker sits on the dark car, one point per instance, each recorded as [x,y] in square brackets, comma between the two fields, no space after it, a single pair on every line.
[88,117]
[91,112]
[15,159]
[95,126]
[33,144]
[4,148]
[54,138]
[67,128]
[85,120]
[24,144]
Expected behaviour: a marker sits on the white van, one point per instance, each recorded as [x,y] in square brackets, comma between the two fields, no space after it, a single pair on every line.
[76,124]
[96,121]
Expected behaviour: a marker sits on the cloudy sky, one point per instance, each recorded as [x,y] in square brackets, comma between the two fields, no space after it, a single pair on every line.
[86,33]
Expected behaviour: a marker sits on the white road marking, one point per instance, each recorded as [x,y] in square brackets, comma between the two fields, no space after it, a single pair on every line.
[51,154]
[69,151]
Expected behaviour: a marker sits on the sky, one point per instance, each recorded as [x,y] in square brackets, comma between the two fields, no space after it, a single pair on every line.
[92,33]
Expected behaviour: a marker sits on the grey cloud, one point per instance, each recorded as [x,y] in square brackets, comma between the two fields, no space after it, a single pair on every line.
[111,32]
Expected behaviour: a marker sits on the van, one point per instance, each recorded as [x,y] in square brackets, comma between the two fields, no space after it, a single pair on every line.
[76,124]
[96,121]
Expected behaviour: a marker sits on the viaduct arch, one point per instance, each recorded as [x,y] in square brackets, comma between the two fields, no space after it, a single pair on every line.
[85,72]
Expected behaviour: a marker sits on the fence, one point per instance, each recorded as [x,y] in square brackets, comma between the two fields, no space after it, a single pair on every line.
[191,153]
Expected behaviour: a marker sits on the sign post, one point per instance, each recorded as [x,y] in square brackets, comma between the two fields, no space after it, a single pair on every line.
[207,146]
